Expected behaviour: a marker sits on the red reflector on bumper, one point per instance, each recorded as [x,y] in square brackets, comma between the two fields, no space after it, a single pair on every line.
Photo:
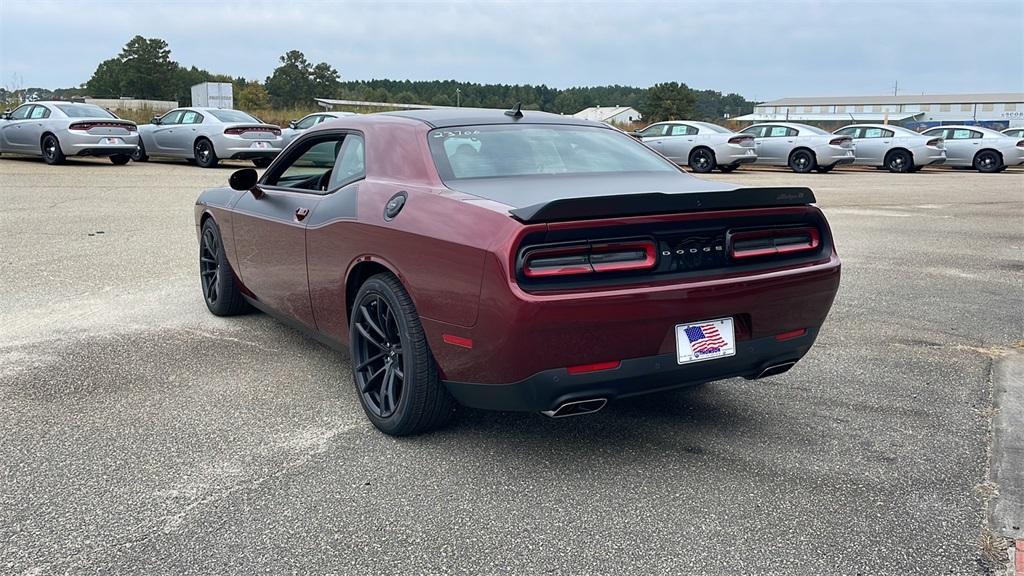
[457,340]
[790,335]
[584,368]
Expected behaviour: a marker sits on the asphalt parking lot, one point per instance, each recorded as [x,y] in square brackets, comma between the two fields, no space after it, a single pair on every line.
[141,435]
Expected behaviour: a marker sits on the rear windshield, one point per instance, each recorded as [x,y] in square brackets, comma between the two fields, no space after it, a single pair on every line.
[815,130]
[232,116]
[84,111]
[532,149]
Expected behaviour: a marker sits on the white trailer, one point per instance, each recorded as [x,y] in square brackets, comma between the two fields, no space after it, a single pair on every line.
[213,94]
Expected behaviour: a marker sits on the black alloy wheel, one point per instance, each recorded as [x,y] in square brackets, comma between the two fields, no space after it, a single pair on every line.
[204,153]
[52,153]
[988,161]
[802,161]
[139,154]
[702,160]
[394,370]
[380,359]
[899,161]
[220,289]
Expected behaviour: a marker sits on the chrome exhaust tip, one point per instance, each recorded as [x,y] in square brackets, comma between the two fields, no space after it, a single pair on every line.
[577,408]
[775,369]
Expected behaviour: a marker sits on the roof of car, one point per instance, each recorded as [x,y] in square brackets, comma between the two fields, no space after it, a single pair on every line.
[445,117]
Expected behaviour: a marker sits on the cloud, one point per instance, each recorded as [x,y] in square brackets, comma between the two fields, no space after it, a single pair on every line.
[760,49]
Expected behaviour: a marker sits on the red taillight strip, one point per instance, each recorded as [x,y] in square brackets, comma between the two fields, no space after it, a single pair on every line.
[741,139]
[238,131]
[86,126]
[840,141]
[457,340]
[595,367]
[814,240]
[586,265]
[1020,144]
[790,335]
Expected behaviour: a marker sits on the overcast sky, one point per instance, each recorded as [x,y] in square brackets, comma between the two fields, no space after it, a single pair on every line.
[760,49]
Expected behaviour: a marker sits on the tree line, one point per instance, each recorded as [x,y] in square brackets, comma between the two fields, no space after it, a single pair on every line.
[144,69]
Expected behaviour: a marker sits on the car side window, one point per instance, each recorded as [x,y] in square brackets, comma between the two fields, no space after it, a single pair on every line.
[172,117]
[351,164]
[935,133]
[191,117]
[307,122]
[847,132]
[310,166]
[963,134]
[756,131]
[39,112]
[681,130]
[21,112]
[777,131]
[653,131]
[872,133]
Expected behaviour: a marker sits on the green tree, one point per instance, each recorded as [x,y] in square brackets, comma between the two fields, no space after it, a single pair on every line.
[291,83]
[147,70]
[326,80]
[106,80]
[667,101]
[251,96]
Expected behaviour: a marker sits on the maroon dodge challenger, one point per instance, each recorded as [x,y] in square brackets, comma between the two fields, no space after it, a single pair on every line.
[515,261]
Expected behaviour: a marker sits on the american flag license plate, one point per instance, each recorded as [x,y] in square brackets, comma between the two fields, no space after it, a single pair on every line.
[705,340]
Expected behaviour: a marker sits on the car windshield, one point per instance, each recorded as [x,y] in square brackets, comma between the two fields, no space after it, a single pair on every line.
[532,149]
[232,116]
[84,111]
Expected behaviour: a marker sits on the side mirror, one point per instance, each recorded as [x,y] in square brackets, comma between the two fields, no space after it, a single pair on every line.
[154,120]
[292,124]
[636,135]
[5,116]
[245,180]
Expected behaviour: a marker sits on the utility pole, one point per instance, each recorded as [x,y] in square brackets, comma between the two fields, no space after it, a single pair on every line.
[458,97]
[895,87]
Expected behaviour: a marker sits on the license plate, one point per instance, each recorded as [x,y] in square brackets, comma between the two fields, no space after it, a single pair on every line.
[113,141]
[705,340]
[260,145]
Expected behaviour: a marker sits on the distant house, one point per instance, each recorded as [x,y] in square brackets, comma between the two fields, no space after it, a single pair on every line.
[609,114]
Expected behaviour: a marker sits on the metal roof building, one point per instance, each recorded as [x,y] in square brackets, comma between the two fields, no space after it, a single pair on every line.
[999,110]
[609,114]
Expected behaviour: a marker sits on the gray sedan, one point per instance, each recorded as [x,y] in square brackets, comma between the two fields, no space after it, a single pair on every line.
[981,148]
[296,127]
[1013,132]
[56,130]
[700,145]
[893,147]
[801,147]
[208,135]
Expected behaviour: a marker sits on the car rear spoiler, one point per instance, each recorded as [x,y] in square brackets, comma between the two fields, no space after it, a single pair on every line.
[661,203]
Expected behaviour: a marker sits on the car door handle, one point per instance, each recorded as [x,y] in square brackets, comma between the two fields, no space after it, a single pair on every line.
[301,213]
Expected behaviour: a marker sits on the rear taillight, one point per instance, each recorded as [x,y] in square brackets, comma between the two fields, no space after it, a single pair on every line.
[843,142]
[934,142]
[742,140]
[612,256]
[240,131]
[1020,144]
[773,242]
[86,126]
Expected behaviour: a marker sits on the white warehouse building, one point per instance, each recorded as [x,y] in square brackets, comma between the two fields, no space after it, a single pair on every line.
[917,112]
[609,114]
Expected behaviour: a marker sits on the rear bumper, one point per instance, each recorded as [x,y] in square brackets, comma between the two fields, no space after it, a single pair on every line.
[74,143]
[248,154]
[105,150]
[551,388]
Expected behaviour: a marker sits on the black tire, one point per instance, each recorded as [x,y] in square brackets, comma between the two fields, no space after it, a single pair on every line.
[50,148]
[899,162]
[139,155]
[120,159]
[702,160]
[825,169]
[802,161]
[390,357]
[220,287]
[729,168]
[204,154]
[988,161]
[261,162]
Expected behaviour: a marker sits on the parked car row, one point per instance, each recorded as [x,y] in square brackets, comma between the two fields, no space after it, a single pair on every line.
[56,130]
[703,146]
